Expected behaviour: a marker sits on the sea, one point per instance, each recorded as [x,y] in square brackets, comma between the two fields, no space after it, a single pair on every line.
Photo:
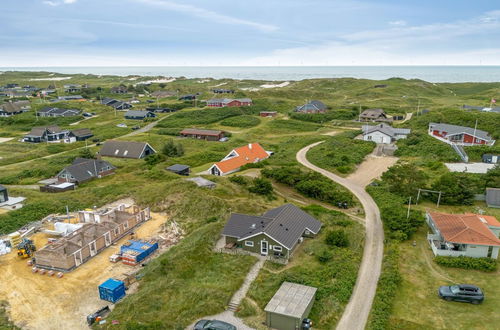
[435,74]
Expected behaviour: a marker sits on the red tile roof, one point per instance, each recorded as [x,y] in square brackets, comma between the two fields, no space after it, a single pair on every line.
[465,228]
[251,153]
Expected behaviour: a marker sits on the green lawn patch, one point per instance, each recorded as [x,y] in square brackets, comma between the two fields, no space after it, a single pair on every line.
[241,121]
[187,282]
[341,153]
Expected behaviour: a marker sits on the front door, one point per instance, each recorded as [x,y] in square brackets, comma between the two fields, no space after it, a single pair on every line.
[263,248]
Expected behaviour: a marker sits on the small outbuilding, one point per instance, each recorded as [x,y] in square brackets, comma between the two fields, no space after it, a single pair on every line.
[492,197]
[4,195]
[268,113]
[179,169]
[491,159]
[139,114]
[289,306]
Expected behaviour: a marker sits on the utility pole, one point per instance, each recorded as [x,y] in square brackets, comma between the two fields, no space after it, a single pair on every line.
[409,205]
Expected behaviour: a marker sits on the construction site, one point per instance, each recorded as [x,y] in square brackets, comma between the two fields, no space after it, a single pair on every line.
[73,254]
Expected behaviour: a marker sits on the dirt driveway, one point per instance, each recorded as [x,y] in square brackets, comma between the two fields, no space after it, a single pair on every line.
[40,302]
[371,168]
[356,313]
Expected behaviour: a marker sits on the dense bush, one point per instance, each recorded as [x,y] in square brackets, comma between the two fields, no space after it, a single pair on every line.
[393,212]
[340,114]
[341,153]
[484,264]
[337,238]
[261,186]
[456,188]
[172,149]
[310,184]
[241,121]
[168,131]
[387,287]
[239,179]
[405,179]
[420,144]
[205,116]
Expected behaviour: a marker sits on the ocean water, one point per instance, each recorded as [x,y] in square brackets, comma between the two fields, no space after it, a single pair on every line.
[434,74]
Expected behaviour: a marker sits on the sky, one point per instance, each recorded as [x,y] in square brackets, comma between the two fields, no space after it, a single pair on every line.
[248,32]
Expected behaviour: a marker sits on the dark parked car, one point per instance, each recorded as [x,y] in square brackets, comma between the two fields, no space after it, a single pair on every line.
[213,325]
[135,128]
[307,324]
[461,292]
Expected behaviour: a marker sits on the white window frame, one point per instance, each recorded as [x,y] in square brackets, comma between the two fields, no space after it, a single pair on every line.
[277,248]
[117,231]
[249,243]
[125,225]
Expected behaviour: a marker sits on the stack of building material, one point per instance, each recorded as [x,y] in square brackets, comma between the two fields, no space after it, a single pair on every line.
[15,238]
[133,252]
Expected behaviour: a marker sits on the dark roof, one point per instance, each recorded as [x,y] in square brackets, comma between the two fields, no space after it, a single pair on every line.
[138,113]
[285,224]
[59,112]
[196,131]
[40,130]
[178,168]
[124,149]
[84,169]
[82,132]
[314,105]
[373,113]
[15,106]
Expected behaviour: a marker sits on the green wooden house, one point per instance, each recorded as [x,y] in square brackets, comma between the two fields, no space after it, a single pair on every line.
[276,233]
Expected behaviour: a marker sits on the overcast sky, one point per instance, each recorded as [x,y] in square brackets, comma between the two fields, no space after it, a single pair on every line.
[249,32]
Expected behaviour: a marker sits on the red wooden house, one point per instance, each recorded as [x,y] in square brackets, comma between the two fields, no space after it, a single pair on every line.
[460,135]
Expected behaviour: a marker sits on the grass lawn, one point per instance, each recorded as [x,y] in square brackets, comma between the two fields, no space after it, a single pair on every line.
[341,153]
[185,283]
[334,278]
[417,305]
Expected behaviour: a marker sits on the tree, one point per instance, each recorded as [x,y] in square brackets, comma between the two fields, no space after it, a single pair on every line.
[86,153]
[492,177]
[162,85]
[457,189]
[405,179]
[262,187]
[172,149]
[337,238]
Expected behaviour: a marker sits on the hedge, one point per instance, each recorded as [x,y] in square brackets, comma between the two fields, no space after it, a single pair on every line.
[387,287]
[484,264]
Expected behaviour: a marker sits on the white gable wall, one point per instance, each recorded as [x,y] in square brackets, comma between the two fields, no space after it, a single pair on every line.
[377,137]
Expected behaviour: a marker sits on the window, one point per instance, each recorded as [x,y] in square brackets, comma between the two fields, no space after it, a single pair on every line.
[369,137]
[125,153]
[117,230]
[117,151]
[249,243]
[125,225]
[278,248]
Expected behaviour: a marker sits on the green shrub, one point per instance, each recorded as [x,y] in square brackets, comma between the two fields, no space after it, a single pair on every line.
[339,114]
[324,255]
[457,188]
[172,149]
[337,238]
[310,184]
[168,131]
[484,264]
[239,179]
[341,153]
[154,159]
[387,288]
[261,186]
[241,121]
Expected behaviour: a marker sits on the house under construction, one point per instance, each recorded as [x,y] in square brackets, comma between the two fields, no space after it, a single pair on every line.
[100,229]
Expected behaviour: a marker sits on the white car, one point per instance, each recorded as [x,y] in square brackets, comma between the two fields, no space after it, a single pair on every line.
[122,125]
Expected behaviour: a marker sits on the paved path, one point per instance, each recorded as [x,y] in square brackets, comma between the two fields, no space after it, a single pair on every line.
[228,316]
[356,313]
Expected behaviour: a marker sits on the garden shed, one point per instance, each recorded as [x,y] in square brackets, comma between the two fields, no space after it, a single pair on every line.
[179,169]
[289,306]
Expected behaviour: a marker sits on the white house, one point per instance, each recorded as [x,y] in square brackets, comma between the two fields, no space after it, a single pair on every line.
[383,133]
[470,235]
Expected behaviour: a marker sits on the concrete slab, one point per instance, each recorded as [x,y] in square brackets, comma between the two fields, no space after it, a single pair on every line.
[469,167]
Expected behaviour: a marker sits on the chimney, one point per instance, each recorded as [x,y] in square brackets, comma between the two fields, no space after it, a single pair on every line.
[250,146]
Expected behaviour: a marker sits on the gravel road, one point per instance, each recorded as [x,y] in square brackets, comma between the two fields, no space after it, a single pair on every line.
[357,310]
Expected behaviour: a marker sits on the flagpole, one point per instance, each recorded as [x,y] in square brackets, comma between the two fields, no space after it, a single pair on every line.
[475,128]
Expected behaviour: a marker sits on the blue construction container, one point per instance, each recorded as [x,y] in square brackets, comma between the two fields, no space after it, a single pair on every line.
[138,250]
[112,290]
